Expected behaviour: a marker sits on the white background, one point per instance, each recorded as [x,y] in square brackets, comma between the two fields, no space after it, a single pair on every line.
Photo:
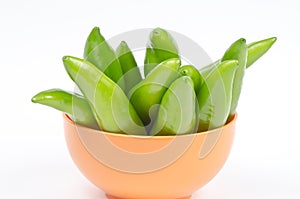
[34,35]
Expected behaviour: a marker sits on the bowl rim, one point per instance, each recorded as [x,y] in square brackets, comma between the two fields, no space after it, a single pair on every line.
[68,119]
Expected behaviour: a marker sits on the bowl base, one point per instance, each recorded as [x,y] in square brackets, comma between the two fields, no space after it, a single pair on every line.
[113,197]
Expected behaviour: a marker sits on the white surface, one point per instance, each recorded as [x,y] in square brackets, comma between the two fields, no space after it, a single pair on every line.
[264,162]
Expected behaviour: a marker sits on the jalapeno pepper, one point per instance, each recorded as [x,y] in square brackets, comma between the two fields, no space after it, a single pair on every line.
[238,50]
[131,72]
[255,51]
[258,49]
[162,46]
[177,111]
[73,104]
[151,89]
[99,53]
[114,112]
[214,96]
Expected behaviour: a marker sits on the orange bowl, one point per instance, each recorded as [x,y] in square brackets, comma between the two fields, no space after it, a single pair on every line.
[142,167]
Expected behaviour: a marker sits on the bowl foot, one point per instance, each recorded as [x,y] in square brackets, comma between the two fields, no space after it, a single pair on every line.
[113,197]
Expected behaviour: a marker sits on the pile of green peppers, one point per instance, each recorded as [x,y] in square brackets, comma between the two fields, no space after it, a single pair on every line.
[170,100]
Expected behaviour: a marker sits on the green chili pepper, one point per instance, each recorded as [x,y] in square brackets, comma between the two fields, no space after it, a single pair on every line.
[255,51]
[163,44]
[73,104]
[191,71]
[258,49]
[150,60]
[94,39]
[151,89]
[177,112]
[163,47]
[237,51]
[98,52]
[131,72]
[214,97]
[113,111]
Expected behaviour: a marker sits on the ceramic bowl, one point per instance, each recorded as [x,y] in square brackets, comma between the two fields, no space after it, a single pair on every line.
[142,167]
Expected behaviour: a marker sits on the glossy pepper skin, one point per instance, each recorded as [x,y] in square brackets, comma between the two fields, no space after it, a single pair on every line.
[177,112]
[99,53]
[237,51]
[161,47]
[194,74]
[111,107]
[150,90]
[258,49]
[131,72]
[73,104]
[214,96]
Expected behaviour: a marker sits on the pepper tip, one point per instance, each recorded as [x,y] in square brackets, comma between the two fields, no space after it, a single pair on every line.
[96,29]
[34,99]
[65,58]
[274,39]
[123,43]
[157,31]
